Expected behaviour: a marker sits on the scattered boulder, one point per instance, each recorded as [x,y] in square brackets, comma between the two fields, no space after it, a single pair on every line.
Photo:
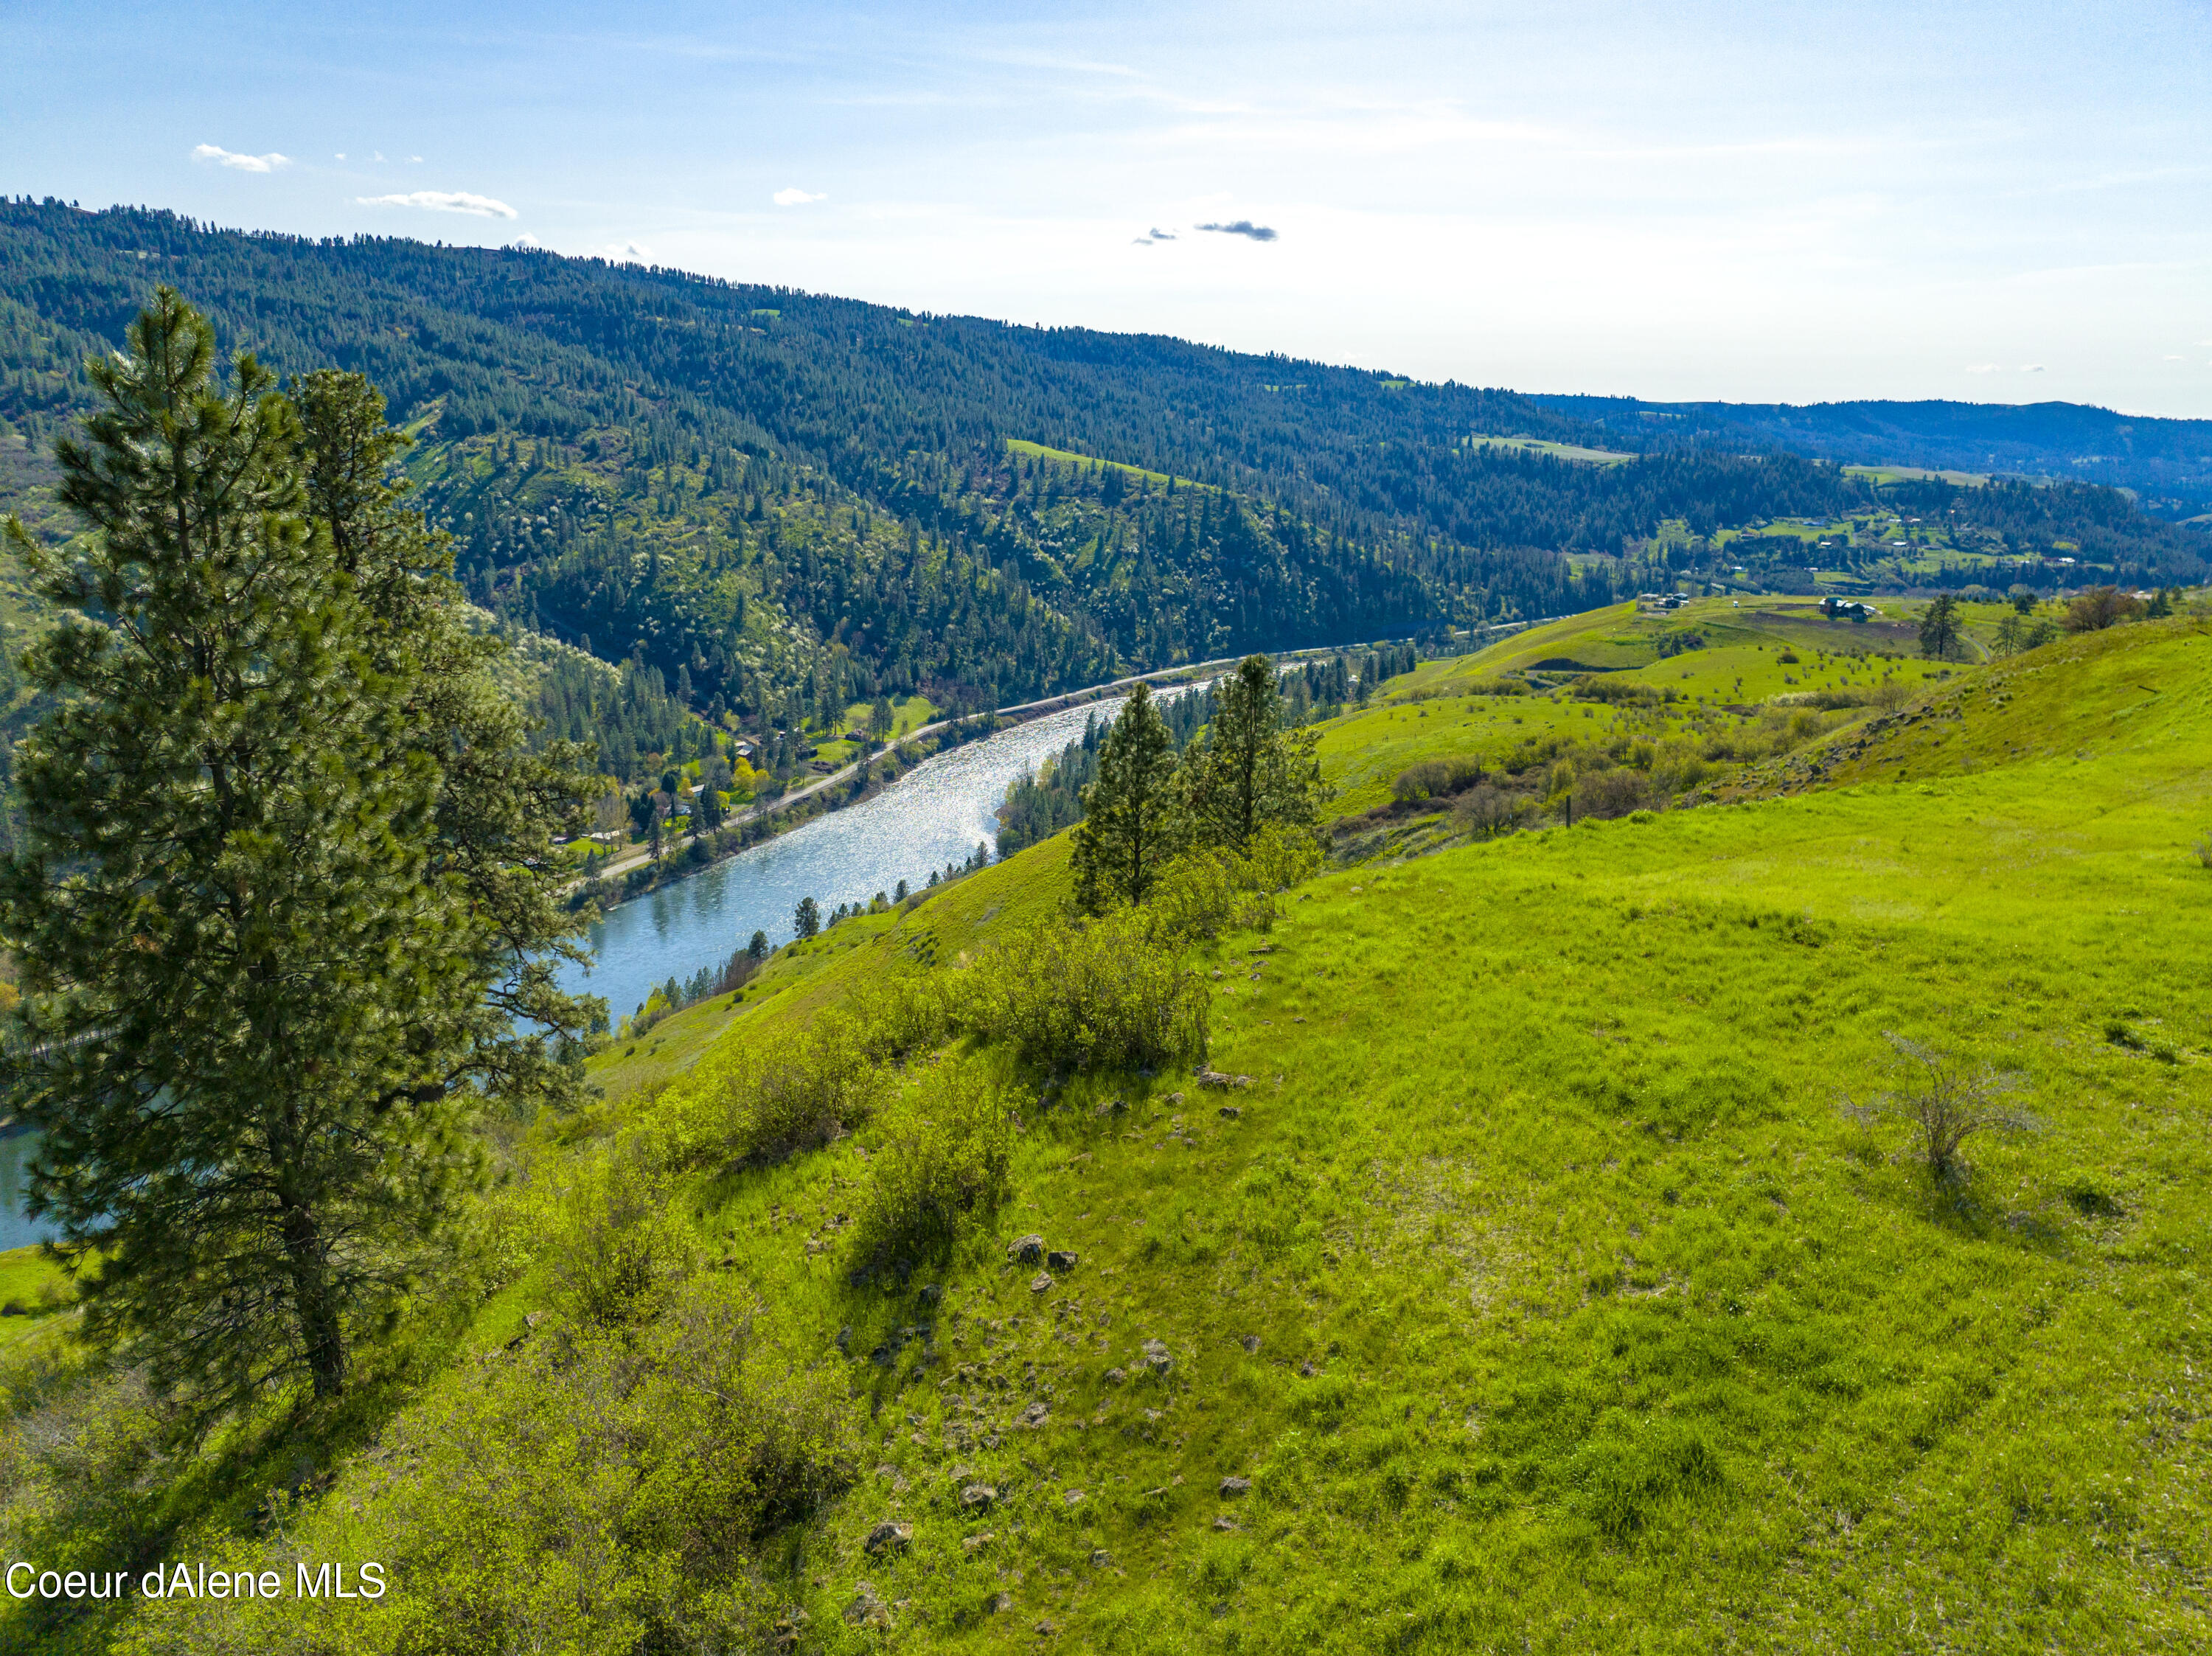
[1306,1369]
[1225,1522]
[978,1498]
[1221,1081]
[1114,1376]
[1060,1260]
[1100,1558]
[1028,1251]
[1157,1358]
[1048,1628]
[1233,1487]
[1035,1415]
[1230,1113]
[866,1610]
[1072,1498]
[999,1603]
[1251,1343]
[1042,1282]
[890,1536]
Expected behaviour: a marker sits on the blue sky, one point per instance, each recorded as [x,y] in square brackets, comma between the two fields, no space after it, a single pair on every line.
[1790,201]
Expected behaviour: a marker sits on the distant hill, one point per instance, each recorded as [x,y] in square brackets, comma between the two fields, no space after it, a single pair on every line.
[2168,462]
[786,502]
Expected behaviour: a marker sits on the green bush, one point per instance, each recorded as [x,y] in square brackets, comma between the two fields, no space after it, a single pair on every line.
[1435,778]
[908,1016]
[577,1494]
[762,1103]
[1203,893]
[946,1148]
[618,1253]
[1107,994]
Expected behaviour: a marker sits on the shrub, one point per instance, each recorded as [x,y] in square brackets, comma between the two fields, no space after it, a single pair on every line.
[1487,812]
[1107,994]
[2098,607]
[910,1015]
[1609,793]
[1945,1102]
[1619,692]
[1203,893]
[1435,778]
[618,1252]
[765,1103]
[946,1147]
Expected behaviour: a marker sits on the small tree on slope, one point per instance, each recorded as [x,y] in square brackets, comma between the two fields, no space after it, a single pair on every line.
[1131,813]
[1249,772]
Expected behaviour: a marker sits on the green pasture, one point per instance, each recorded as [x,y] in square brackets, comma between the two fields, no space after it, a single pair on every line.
[1557,450]
[1065,457]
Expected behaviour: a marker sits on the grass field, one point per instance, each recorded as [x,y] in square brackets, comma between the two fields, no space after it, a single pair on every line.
[1604,456]
[1064,457]
[1542,1284]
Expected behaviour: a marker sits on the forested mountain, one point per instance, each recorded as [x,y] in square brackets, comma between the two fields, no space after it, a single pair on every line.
[2168,461]
[783,503]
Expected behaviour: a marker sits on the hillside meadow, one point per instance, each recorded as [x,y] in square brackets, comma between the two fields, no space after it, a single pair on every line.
[1548,1288]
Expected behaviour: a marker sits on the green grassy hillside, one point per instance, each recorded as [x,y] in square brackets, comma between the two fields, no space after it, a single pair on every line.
[1541,1283]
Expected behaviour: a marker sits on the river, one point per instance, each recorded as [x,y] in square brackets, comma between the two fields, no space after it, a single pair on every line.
[933,815]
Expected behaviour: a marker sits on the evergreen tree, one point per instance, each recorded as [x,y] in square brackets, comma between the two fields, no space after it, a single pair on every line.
[1939,628]
[1131,814]
[806,919]
[1249,772]
[267,982]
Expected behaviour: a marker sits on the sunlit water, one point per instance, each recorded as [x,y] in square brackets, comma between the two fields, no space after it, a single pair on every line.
[934,815]
[17,1231]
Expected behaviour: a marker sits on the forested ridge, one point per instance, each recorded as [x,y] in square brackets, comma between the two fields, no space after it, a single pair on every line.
[783,503]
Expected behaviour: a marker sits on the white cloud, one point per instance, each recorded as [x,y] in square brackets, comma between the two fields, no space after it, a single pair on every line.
[526,240]
[2030,368]
[619,251]
[445,201]
[376,155]
[341,154]
[794,198]
[236,162]
[1984,368]
[414,158]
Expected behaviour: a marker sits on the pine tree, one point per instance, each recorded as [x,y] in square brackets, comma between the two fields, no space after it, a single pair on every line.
[1131,814]
[1248,773]
[266,982]
[1939,628]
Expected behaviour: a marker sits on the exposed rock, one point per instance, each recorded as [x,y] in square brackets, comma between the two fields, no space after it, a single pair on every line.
[1221,1081]
[1114,1376]
[1225,1522]
[1042,1282]
[1072,1498]
[889,1536]
[1028,1251]
[1231,1112]
[1060,1260]
[1100,1558]
[1250,1342]
[1157,1358]
[866,1610]
[932,1293]
[1048,1628]
[1174,1098]
[1306,1370]
[978,1498]
[977,1543]
[1000,1603]
[1035,1415]
[1233,1487]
